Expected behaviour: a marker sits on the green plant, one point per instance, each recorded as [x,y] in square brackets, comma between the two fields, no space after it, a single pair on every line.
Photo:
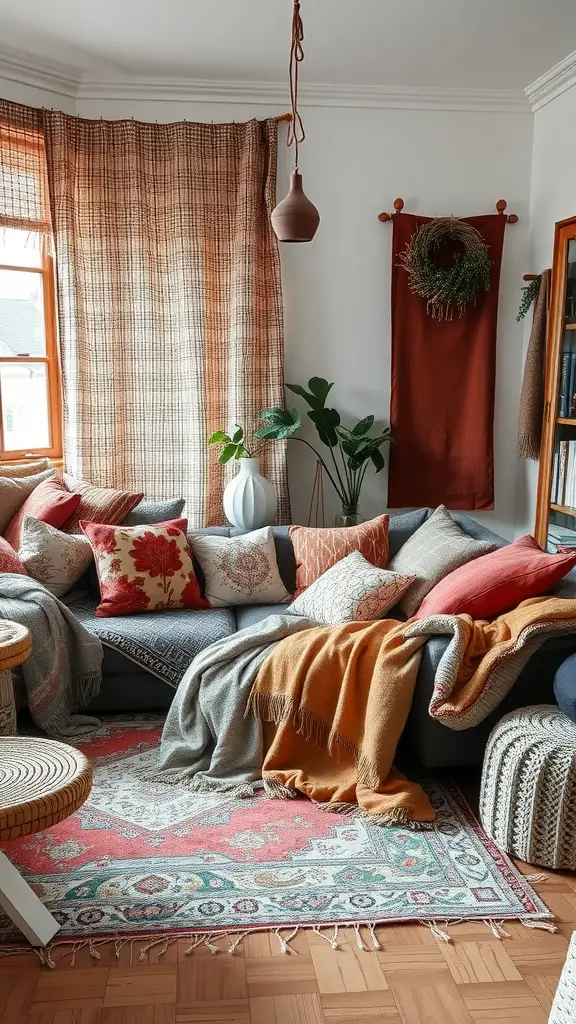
[233,447]
[351,449]
[529,294]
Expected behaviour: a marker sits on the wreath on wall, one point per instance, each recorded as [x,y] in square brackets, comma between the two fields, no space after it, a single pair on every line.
[447,288]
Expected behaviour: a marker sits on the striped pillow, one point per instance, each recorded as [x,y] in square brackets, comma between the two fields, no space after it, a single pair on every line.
[99,504]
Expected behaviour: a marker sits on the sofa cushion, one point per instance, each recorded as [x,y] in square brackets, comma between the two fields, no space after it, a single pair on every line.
[9,561]
[99,504]
[143,568]
[438,547]
[401,527]
[565,687]
[241,569]
[50,501]
[317,549]
[248,615]
[351,591]
[148,513]
[163,643]
[52,557]
[498,581]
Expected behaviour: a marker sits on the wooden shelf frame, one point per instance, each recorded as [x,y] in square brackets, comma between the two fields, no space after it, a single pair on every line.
[565,231]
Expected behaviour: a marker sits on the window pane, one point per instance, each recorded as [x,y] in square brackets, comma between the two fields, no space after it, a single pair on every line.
[24,394]
[20,248]
[21,314]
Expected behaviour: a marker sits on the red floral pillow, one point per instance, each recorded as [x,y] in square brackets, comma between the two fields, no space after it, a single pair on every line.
[50,502]
[143,568]
[9,561]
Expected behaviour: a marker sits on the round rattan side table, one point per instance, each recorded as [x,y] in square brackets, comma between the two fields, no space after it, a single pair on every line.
[15,648]
[42,782]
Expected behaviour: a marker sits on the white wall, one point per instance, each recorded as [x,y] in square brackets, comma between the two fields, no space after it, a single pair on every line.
[355,162]
[552,198]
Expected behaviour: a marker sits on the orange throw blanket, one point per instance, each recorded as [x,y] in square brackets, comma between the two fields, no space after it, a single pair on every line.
[335,699]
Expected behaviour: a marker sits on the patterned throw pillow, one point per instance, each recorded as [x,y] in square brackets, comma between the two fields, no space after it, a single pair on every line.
[317,549]
[9,561]
[438,547]
[99,504]
[52,557]
[240,570]
[51,502]
[13,494]
[351,591]
[143,568]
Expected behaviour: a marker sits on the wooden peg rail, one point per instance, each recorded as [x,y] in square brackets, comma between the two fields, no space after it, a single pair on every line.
[511,218]
[530,277]
[283,117]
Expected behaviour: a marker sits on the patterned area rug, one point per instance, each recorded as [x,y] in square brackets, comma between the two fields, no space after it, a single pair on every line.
[142,858]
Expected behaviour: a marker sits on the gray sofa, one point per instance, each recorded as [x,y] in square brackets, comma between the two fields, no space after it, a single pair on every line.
[127,686]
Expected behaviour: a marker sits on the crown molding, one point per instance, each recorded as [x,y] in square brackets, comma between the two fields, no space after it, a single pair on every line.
[52,76]
[312,95]
[66,80]
[553,83]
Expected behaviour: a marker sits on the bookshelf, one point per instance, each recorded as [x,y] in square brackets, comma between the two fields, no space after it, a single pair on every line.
[556,502]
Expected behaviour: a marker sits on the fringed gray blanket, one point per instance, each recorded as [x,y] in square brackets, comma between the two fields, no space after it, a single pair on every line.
[64,671]
[207,743]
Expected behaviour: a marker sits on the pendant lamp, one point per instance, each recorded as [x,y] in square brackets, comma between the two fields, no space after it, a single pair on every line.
[295,219]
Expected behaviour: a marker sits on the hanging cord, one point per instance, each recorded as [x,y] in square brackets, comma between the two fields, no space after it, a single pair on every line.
[296,133]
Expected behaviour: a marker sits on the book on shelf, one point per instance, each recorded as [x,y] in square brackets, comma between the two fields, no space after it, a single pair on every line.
[567,390]
[563,490]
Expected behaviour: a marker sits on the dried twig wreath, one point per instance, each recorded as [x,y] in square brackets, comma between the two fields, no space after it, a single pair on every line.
[447,288]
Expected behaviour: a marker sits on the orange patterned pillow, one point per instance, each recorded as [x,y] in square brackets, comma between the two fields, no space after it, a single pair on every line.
[143,568]
[99,504]
[316,550]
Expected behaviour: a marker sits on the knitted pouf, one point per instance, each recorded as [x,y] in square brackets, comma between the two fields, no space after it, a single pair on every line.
[528,792]
[564,1006]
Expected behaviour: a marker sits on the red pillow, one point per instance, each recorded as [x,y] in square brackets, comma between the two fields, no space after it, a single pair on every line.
[9,561]
[50,502]
[496,582]
[143,568]
[317,549]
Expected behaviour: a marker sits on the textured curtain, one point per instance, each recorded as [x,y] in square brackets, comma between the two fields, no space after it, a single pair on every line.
[170,307]
[24,202]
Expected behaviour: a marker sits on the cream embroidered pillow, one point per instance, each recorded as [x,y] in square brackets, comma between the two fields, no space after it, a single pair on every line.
[56,559]
[353,590]
[240,570]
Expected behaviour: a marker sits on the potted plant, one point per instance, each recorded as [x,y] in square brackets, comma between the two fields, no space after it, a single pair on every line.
[351,450]
[249,499]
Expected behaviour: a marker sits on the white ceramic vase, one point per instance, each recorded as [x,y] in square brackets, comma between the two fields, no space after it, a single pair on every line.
[249,499]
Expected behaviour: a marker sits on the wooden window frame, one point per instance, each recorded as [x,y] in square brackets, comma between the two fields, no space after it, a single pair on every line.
[51,359]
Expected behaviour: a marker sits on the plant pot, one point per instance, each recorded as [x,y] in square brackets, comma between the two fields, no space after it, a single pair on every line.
[249,499]
[347,518]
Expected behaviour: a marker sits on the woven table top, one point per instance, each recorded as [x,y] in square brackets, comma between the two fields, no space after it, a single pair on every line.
[15,644]
[42,782]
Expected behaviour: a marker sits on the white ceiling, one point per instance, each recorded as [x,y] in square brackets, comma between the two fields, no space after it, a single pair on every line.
[474,44]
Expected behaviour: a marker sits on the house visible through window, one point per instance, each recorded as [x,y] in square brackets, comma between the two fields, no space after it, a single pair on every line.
[30,404]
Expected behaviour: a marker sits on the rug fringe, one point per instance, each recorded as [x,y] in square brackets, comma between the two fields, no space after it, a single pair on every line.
[56,952]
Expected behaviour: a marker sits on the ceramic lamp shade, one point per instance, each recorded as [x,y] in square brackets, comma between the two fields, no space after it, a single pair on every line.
[295,219]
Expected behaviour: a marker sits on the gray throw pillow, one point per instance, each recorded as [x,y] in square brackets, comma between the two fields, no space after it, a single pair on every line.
[437,548]
[13,493]
[148,513]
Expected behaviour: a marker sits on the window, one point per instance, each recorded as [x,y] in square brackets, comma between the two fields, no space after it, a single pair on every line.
[30,402]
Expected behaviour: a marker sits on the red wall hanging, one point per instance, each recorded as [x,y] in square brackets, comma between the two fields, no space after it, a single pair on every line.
[443,379]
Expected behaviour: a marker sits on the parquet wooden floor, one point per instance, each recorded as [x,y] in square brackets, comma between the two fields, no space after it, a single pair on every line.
[414,979]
